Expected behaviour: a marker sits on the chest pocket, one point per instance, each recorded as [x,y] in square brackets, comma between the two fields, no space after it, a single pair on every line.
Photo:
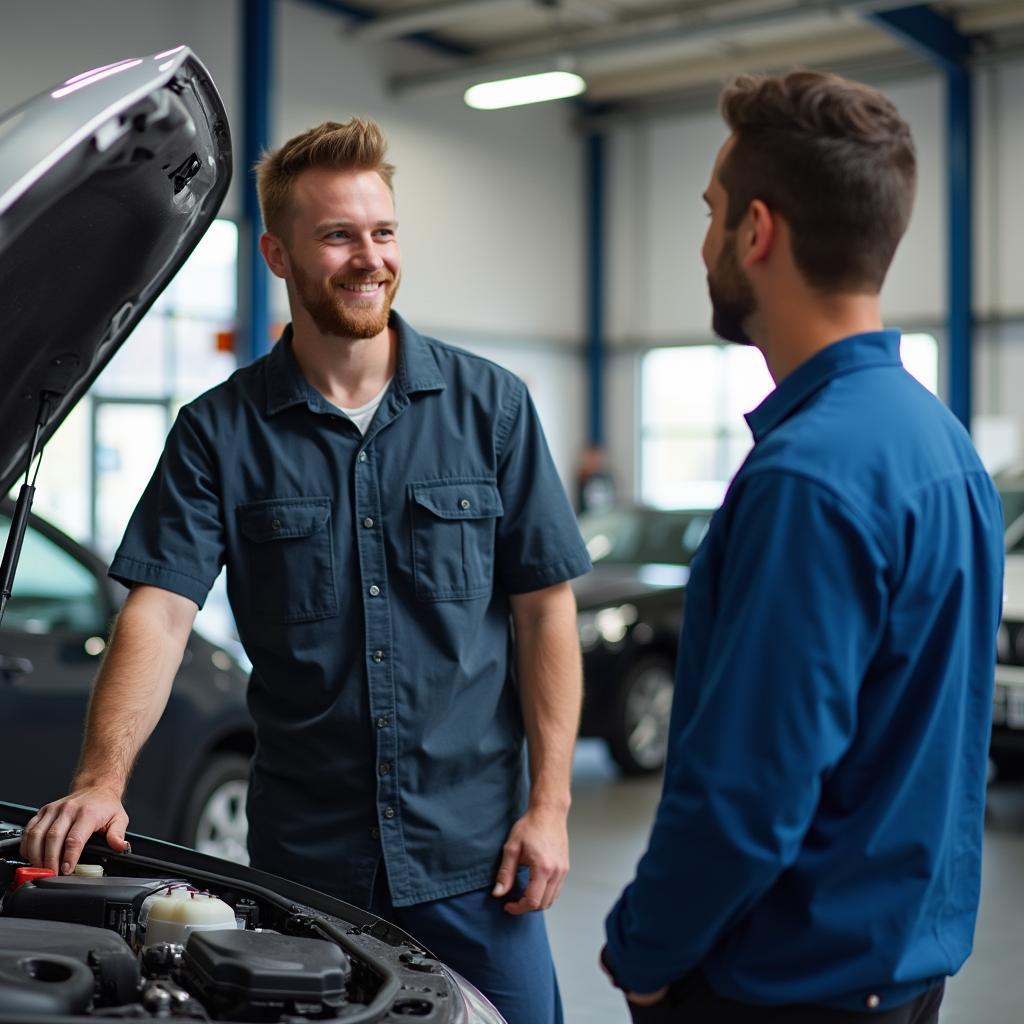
[453,526]
[289,559]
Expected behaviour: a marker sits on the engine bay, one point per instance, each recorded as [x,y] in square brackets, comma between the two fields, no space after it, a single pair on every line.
[138,936]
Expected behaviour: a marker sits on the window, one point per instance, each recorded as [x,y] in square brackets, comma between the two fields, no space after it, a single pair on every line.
[53,591]
[693,437]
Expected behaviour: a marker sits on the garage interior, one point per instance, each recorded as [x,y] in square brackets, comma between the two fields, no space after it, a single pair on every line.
[562,240]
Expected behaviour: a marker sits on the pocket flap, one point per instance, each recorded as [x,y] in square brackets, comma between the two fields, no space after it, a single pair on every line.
[459,499]
[283,518]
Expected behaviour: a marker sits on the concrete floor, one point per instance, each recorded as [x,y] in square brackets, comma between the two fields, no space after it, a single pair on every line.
[608,828]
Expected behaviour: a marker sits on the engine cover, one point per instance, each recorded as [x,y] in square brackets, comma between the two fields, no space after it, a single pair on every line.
[261,975]
[45,956]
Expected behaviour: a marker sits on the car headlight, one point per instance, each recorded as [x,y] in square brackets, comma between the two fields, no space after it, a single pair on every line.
[476,1008]
[609,624]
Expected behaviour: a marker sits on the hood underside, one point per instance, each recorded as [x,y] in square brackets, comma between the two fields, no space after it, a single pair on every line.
[107,183]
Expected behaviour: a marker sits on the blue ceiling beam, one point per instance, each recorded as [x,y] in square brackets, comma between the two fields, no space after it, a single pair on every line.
[937,38]
[932,35]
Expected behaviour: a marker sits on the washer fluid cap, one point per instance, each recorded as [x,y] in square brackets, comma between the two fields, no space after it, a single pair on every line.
[89,870]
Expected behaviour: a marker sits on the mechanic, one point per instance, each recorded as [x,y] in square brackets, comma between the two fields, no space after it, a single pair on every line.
[398,549]
[816,853]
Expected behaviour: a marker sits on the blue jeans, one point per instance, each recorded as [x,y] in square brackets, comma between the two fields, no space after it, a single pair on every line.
[508,958]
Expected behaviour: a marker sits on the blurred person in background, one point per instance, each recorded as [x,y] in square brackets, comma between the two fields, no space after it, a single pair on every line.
[816,854]
[385,505]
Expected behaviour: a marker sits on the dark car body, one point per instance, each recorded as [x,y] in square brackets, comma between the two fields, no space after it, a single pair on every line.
[107,182]
[54,632]
[630,609]
[1007,750]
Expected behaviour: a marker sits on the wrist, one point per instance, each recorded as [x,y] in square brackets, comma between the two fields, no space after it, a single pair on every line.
[90,780]
[550,803]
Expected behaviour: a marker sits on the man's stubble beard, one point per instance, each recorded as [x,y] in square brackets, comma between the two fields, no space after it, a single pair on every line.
[333,316]
[732,298]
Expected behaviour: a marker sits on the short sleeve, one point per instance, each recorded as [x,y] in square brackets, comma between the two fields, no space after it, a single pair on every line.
[175,537]
[538,542]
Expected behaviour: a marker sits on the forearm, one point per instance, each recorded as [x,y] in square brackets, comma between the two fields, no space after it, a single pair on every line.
[133,685]
[551,687]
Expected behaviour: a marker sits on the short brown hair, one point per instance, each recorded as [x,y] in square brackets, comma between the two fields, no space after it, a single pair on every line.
[835,159]
[356,145]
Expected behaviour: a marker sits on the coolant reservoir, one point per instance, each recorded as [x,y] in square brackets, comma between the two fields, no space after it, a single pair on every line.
[173,914]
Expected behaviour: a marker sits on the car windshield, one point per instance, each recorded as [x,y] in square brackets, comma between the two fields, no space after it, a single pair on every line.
[643,536]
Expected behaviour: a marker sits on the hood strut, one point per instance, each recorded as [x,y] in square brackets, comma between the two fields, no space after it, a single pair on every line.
[56,383]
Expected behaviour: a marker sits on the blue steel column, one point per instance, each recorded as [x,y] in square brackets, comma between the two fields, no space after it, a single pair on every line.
[595,153]
[959,138]
[253,337]
[939,40]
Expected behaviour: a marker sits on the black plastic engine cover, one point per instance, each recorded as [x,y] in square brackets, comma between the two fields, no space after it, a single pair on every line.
[107,902]
[259,975]
[34,985]
[109,964]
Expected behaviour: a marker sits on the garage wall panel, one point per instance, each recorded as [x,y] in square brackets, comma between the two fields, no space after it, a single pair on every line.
[489,203]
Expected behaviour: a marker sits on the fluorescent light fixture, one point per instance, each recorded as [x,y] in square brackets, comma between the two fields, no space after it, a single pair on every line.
[514,92]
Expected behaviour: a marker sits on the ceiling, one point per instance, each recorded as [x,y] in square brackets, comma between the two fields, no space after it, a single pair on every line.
[637,53]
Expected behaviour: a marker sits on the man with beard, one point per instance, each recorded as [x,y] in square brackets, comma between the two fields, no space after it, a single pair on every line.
[816,853]
[386,508]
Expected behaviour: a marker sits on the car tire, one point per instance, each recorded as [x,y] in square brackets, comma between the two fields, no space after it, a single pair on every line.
[638,738]
[214,820]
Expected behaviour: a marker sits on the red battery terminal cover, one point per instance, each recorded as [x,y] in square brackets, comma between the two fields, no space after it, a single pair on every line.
[23,875]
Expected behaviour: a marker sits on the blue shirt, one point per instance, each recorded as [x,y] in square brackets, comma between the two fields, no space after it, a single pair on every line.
[819,834]
[370,581]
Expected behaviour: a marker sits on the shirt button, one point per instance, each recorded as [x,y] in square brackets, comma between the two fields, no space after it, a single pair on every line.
[378,656]
[375,832]
[382,722]
[367,522]
[873,1001]
[374,590]
[385,768]
[275,524]
[389,812]
[361,457]
[464,504]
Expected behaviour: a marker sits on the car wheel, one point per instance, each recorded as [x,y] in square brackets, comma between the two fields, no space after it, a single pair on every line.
[639,736]
[214,821]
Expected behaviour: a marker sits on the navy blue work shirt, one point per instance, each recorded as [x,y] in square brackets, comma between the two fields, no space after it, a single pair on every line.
[370,581]
[819,834]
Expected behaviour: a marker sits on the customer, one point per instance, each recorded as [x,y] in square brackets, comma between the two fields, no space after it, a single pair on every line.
[384,505]
[817,850]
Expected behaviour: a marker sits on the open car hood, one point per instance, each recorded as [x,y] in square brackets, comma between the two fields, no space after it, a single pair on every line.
[107,182]
[76,948]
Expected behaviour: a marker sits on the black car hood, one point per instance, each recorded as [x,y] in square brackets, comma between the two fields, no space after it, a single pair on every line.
[107,182]
[606,584]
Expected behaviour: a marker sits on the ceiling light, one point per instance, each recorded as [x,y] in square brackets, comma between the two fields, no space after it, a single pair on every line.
[514,92]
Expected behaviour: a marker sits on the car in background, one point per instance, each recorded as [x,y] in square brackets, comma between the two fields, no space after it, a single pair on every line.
[630,609]
[190,782]
[1007,749]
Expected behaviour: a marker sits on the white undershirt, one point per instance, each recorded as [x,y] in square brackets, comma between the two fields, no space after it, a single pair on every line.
[362,416]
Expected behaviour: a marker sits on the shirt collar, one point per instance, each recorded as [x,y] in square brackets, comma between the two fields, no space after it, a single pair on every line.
[857,352]
[287,386]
